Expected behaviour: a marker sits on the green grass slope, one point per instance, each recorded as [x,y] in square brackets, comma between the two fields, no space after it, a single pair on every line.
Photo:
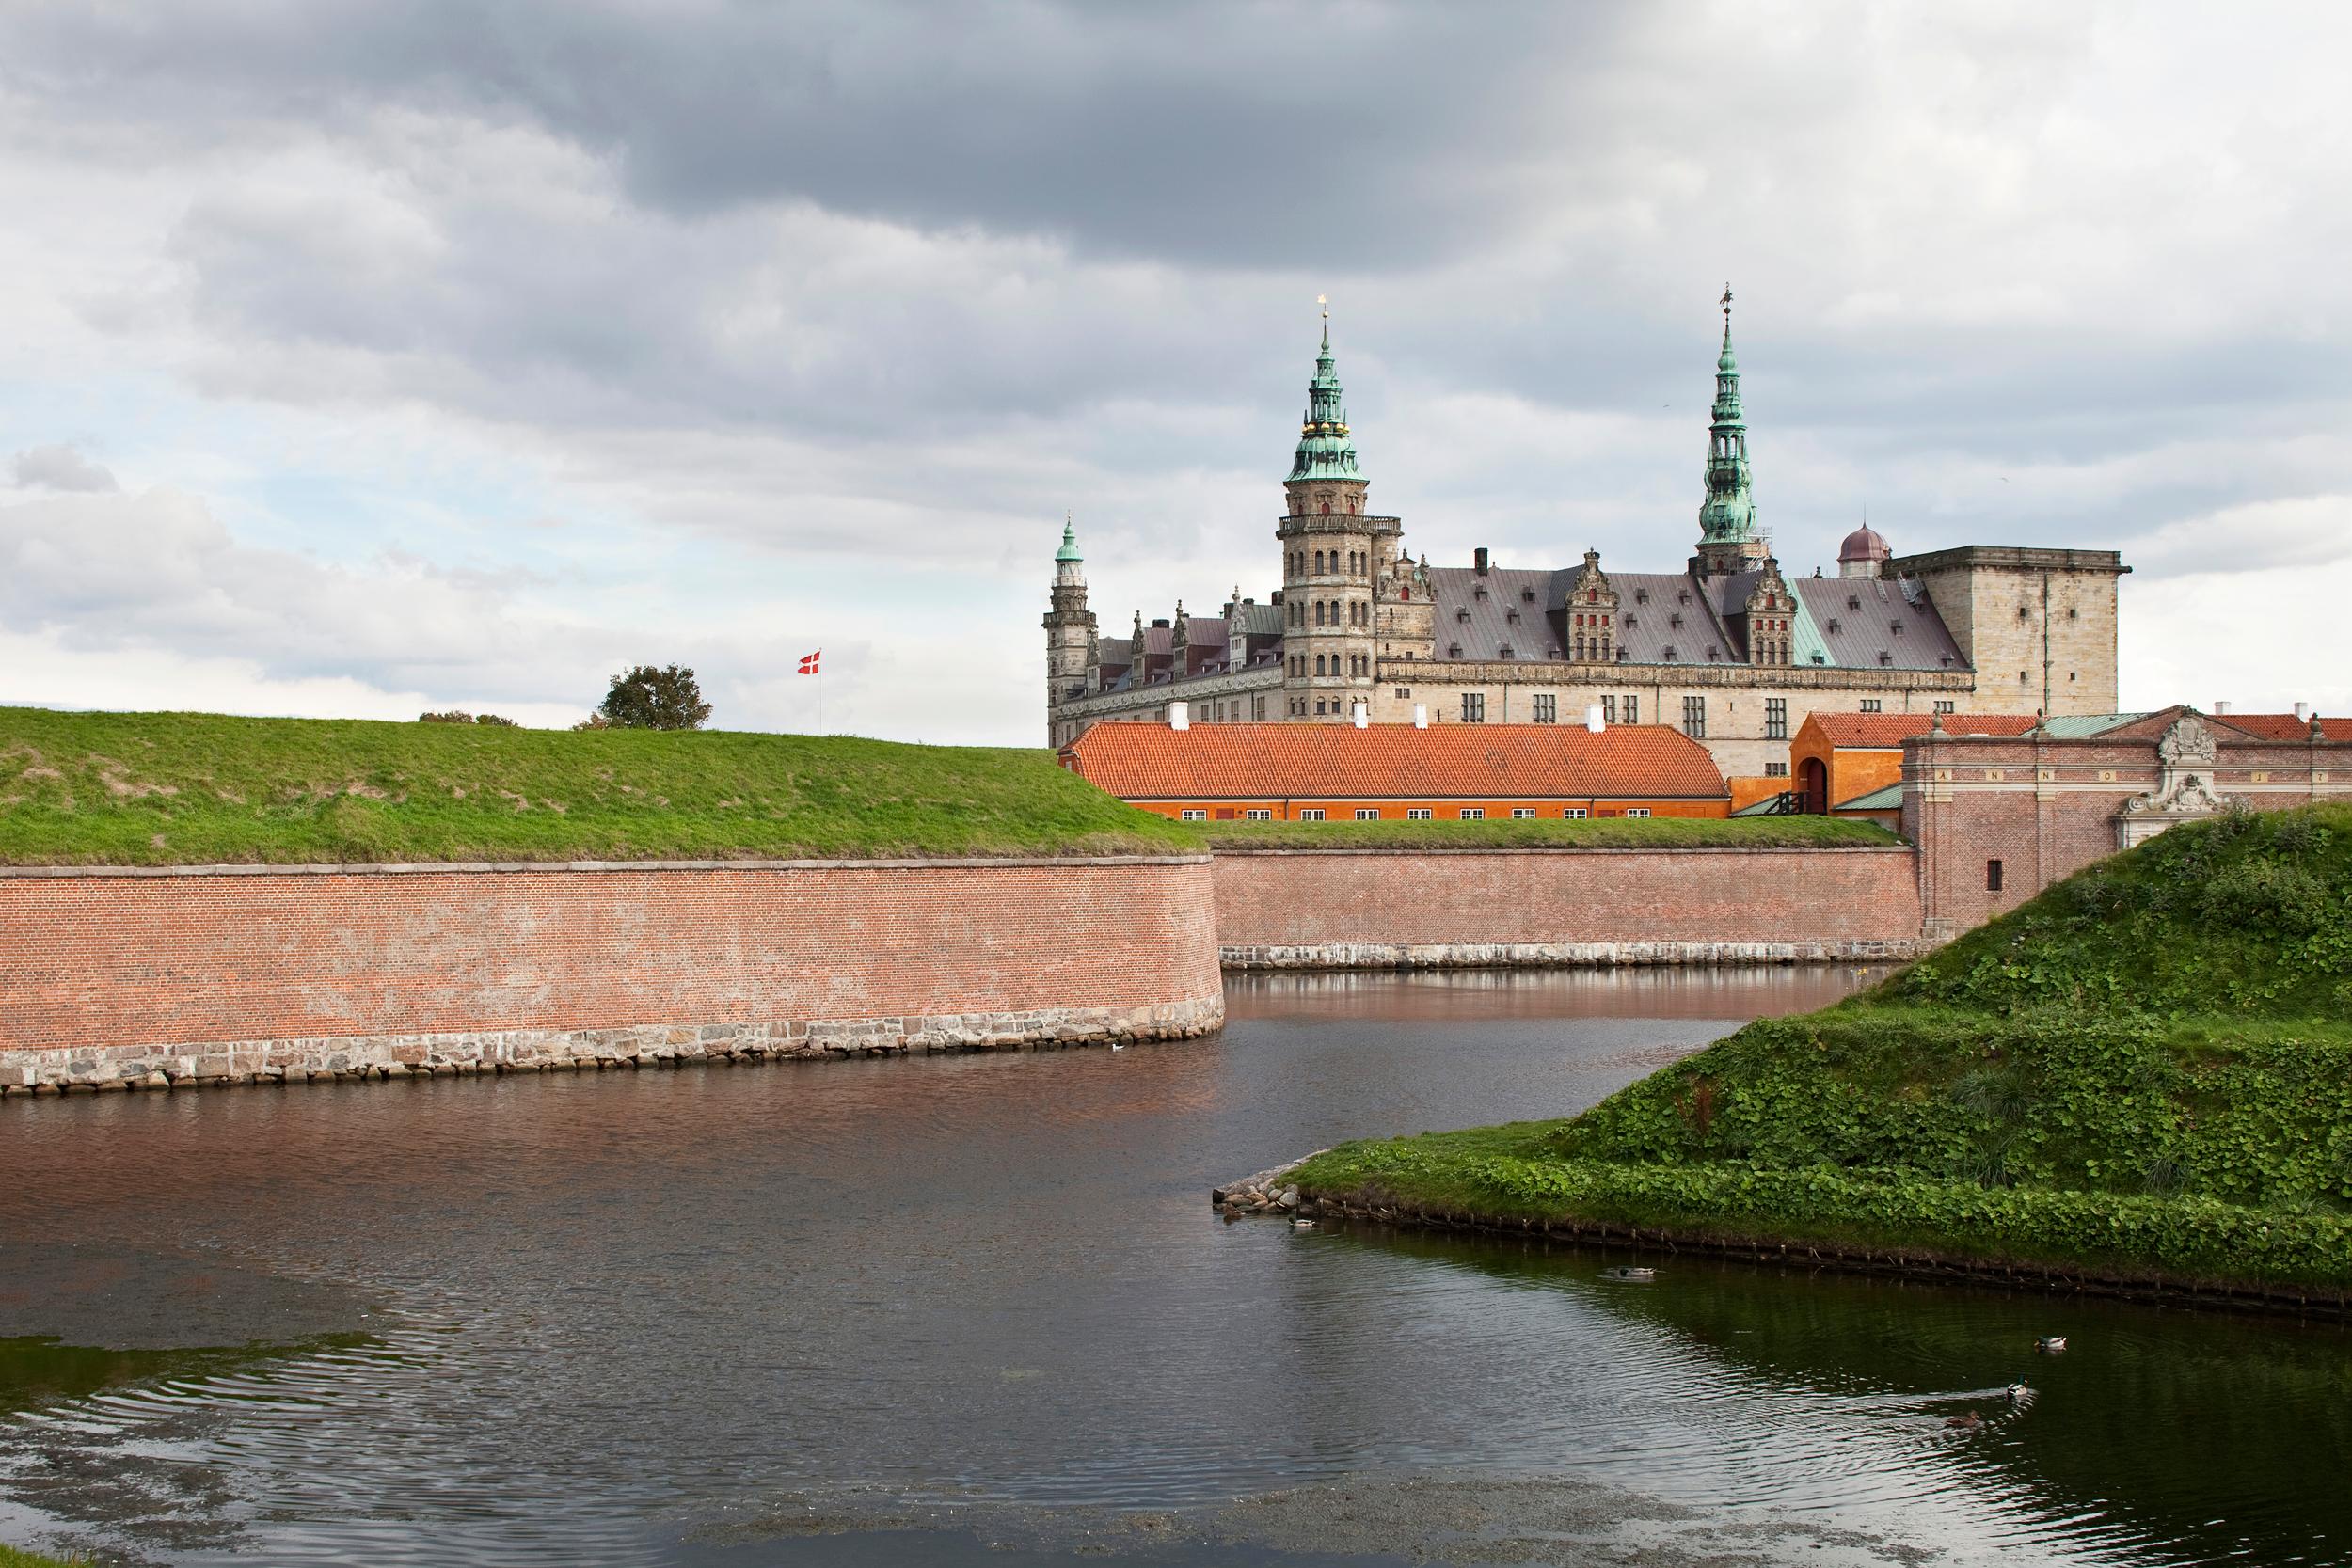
[181,788]
[2145,1071]
[1614,833]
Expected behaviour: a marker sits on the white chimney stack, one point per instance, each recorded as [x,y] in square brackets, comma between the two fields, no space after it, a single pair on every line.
[1592,718]
[2303,710]
[1180,715]
[1362,713]
[2219,708]
[1421,716]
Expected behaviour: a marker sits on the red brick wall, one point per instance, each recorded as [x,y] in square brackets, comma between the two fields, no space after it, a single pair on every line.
[2045,808]
[140,959]
[1318,897]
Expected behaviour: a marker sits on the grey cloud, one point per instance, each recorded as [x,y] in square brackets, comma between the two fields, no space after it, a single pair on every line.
[61,468]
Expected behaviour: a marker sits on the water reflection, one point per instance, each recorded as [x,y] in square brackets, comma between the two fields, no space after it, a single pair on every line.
[609,1313]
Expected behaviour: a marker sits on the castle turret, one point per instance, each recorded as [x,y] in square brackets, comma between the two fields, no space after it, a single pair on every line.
[1727,537]
[1334,554]
[1070,640]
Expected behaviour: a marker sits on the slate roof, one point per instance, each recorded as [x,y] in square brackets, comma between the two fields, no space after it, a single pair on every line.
[1711,612]
[1887,732]
[1856,637]
[1153,762]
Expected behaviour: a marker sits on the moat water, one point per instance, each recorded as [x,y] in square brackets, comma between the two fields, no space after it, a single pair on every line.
[977,1310]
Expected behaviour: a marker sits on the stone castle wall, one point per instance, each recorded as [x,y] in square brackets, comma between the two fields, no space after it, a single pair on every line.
[1435,908]
[115,977]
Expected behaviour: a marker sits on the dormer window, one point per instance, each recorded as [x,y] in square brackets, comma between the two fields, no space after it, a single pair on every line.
[1462,613]
[1671,655]
[1854,601]
[1885,658]
[1454,650]
[1894,629]
[1674,621]
[1512,616]
[1833,624]
[1641,595]
[1683,597]
[1528,595]
[1630,622]
[1503,652]
[1480,593]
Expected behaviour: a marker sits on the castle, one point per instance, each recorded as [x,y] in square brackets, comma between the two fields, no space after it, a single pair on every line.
[1729,649]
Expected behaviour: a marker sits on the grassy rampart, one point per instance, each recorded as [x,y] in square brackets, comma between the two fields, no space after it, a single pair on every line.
[183,788]
[2147,1071]
[1611,832]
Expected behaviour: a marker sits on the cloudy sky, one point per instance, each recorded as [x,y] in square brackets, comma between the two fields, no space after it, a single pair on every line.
[360,358]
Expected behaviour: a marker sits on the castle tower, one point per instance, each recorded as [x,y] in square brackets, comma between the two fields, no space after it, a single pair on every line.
[1727,538]
[1333,554]
[1070,640]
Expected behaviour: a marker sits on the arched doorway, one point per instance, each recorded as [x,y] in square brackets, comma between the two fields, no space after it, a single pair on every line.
[1813,783]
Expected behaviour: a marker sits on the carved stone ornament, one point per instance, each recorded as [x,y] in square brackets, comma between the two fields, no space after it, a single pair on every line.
[2187,744]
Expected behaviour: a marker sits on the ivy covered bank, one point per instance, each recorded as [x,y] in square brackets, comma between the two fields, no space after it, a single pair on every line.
[2144,1077]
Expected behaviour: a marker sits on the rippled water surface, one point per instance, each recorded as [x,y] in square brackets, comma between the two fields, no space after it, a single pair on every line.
[924,1309]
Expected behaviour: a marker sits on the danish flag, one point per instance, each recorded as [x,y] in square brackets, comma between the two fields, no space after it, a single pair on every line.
[808,662]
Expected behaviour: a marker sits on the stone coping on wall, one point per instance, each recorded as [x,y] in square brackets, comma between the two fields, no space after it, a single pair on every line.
[314,868]
[1742,849]
[378,1057]
[1564,955]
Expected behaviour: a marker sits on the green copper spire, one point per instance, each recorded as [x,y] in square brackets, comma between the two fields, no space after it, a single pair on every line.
[1728,515]
[1324,448]
[1069,550]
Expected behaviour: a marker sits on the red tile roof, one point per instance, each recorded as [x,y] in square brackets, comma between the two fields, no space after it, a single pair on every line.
[1386,762]
[2284,726]
[1889,731]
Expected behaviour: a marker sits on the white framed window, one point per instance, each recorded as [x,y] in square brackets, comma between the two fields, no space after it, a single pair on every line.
[1367,814]
[1574,814]
[1522,813]
[1473,814]
[1637,811]
[1312,813]
[1195,815]
[1775,770]
[1254,815]
[1417,814]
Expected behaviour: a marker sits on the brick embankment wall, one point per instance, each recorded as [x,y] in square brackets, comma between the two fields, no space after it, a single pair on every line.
[120,977]
[1380,909]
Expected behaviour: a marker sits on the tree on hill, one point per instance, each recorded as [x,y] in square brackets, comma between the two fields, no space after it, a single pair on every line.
[650,699]
[459,716]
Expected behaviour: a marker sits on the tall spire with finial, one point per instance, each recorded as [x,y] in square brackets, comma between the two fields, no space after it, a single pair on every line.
[1324,448]
[1727,516]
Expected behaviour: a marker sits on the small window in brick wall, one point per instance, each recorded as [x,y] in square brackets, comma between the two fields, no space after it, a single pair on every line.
[1522,813]
[1473,814]
[1637,811]
[1992,876]
[1195,815]
[1312,813]
[1417,814]
[1256,816]
[1367,814]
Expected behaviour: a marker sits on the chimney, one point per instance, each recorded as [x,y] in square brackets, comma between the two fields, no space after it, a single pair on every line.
[1480,556]
[1362,712]
[1180,715]
[1593,724]
[2219,708]
[2302,711]
[1421,716]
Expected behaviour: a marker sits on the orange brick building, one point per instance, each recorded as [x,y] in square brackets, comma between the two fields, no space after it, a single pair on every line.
[1400,772]
[1837,760]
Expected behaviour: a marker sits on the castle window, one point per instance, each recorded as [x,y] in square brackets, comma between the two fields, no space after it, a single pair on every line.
[1573,814]
[1503,652]
[1683,597]
[1403,692]
[1318,670]
[1473,813]
[1512,616]
[1637,811]
[1546,708]
[1473,708]
[1454,650]
[1943,707]
[1417,814]
[1775,770]
[1367,814]
[1632,710]
[1193,815]
[1694,717]
[1312,813]
[1870,705]
[1641,595]
[1833,624]
[1256,709]
[1522,813]
[1992,876]
[1674,621]
[1608,710]
[1894,629]
[1254,815]
[1326,508]
[1528,595]
[1885,658]
[1671,655]
[1775,718]
[1462,613]
[1854,601]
